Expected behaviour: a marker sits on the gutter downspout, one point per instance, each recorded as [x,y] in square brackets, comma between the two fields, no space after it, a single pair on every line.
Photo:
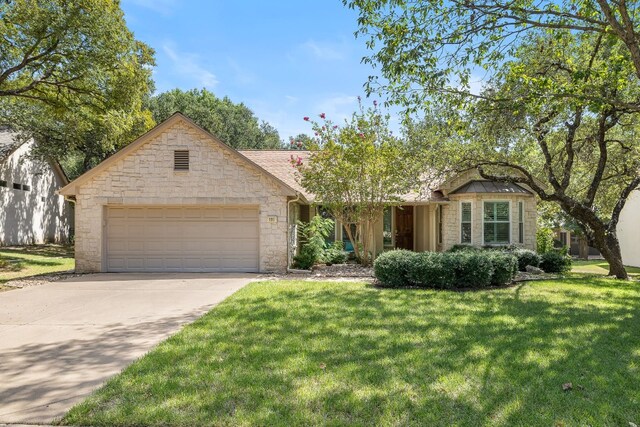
[289,202]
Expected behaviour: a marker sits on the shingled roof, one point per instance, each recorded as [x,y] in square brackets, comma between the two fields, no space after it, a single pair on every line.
[278,163]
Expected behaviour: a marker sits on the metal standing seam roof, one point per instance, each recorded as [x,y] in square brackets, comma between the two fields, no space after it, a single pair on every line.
[478,186]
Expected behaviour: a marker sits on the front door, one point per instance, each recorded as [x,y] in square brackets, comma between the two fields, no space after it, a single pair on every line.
[404,227]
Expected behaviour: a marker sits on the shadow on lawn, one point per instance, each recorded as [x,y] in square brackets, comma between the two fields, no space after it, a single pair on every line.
[357,355]
[60,251]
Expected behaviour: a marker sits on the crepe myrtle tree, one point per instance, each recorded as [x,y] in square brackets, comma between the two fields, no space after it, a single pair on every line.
[355,170]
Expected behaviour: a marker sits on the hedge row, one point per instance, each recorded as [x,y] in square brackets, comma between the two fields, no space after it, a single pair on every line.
[445,270]
[525,256]
[553,261]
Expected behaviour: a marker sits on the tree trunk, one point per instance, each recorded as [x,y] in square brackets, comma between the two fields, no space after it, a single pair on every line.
[609,247]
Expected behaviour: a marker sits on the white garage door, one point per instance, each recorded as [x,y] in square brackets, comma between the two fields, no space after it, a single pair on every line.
[220,238]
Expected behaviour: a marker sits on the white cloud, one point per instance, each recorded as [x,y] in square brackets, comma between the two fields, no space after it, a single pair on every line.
[164,7]
[325,51]
[187,64]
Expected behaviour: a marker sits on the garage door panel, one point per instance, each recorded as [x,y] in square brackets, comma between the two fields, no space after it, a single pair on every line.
[156,238]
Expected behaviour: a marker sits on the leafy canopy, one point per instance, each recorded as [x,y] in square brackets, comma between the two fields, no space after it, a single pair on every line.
[355,170]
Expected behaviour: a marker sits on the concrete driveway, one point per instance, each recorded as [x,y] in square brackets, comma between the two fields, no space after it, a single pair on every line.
[60,341]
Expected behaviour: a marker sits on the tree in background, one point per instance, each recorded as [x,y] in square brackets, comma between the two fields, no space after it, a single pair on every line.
[234,124]
[355,171]
[559,112]
[73,76]
[302,141]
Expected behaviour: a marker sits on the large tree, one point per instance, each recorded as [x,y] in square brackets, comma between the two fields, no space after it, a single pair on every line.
[235,124]
[64,53]
[73,77]
[559,111]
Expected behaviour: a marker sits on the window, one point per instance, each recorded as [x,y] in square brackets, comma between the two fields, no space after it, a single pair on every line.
[387,227]
[520,222]
[25,187]
[497,223]
[181,160]
[3,183]
[465,222]
[17,186]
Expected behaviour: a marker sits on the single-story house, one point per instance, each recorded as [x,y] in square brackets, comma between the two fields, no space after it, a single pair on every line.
[628,226]
[178,199]
[32,212]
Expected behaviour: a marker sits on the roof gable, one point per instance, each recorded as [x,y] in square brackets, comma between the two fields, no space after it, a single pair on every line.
[176,118]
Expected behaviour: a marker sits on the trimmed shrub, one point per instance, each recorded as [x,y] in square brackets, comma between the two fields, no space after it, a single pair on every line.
[432,270]
[526,257]
[335,254]
[472,269]
[392,268]
[505,268]
[555,262]
[307,258]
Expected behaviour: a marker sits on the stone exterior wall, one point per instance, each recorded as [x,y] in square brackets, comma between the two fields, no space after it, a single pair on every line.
[628,230]
[451,218]
[147,177]
[37,215]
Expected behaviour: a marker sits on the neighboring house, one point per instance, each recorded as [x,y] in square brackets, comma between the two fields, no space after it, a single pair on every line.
[178,199]
[576,243]
[32,212]
[628,227]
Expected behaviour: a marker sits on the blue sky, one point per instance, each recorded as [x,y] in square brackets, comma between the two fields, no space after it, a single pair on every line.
[284,59]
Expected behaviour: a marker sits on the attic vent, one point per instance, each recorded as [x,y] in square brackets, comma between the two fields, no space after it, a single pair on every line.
[181,160]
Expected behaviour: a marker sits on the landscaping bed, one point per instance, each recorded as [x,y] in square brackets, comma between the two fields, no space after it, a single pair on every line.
[346,353]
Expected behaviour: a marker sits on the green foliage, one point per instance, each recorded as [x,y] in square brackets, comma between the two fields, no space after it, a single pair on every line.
[555,262]
[307,258]
[445,270]
[392,268]
[432,270]
[314,234]
[556,110]
[544,240]
[335,254]
[505,268]
[473,269]
[356,170]
[235,124]
[526,257]
[73,77]
[67,53]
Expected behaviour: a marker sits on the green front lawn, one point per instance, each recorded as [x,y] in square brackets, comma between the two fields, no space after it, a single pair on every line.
[20,262]
[599,267]
[335,353]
